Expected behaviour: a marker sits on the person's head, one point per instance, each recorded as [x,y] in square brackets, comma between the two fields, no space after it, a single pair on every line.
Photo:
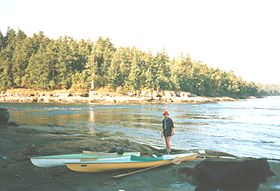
[165,114]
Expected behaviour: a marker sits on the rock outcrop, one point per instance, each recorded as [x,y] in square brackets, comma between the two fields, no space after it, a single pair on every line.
[244,175]
[4,116]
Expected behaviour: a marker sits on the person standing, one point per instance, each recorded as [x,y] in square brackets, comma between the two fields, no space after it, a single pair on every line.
[167,130]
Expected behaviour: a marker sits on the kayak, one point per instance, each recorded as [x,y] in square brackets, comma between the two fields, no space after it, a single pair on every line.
[127,162]
[60,160]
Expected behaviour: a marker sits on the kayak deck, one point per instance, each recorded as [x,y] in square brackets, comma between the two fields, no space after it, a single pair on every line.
[60,160]
[132,162]
[85,156]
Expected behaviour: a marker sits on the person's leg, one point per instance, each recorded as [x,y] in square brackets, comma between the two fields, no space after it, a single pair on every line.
[168,144]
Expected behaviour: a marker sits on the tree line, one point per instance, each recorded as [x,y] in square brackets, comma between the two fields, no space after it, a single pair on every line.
[269,89]
[39,62]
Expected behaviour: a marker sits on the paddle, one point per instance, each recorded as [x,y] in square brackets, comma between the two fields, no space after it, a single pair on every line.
[204,156]
[100,153]
[88,152]
[119,151]
[213,156]
[174,161]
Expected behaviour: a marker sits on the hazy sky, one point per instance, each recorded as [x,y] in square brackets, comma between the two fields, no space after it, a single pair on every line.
[238,35]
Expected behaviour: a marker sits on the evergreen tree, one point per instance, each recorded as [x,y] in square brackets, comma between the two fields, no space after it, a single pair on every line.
[37,72]
[6,60]
[163,71]
[134,80]
[127,57]
[151,76]
[99,61]
[2,41]
[42,63]
[21,55]
[114,74]
[120,67]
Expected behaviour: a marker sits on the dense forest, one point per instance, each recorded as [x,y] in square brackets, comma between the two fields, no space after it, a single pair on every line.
[269,89]
[39,62]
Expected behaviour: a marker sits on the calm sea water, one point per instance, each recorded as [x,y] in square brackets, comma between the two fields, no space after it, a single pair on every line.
[243,128]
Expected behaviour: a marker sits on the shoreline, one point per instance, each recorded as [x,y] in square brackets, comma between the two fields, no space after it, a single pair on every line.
[97,97]
[20,143]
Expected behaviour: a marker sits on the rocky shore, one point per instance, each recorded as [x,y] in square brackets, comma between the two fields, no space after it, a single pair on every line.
[101,97]
[18,143]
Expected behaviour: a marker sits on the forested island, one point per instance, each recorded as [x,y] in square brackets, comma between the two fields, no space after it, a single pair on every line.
[41,63]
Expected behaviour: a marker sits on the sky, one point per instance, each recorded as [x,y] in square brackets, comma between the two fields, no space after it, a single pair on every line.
[238,35]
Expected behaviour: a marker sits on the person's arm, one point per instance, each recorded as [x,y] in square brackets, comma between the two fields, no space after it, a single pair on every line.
[162,129]
[172,128]
[172,132]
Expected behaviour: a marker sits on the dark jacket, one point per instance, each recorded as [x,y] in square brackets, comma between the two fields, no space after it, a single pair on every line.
[167,125]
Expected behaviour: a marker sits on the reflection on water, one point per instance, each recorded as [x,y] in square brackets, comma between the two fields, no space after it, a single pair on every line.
[91,116]
[245,128]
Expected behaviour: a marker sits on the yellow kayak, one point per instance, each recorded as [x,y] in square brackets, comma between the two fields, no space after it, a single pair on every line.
[127,162]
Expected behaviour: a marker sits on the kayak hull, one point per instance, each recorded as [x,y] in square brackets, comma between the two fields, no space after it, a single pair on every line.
[60,160]
[112,166]
[126,163]
[46,163]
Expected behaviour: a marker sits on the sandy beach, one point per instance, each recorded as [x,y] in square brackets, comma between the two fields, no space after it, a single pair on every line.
[18,143]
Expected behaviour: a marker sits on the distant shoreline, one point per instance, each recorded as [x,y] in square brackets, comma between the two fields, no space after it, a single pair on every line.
[70,96]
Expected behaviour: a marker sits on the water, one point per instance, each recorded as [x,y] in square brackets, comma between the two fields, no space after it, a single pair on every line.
[248,128]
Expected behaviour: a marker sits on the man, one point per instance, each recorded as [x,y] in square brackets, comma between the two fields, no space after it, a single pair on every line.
[167,130]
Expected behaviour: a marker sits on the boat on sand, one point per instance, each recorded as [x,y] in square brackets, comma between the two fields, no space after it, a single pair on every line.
[60,160]
[127,162]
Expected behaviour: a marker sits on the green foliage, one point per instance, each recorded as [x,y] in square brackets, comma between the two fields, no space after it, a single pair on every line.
[134,77]
[2,41]
[269,89]
[99,62]
[151,73]
[78,81]
[41,63]
[163,72]
[6,60]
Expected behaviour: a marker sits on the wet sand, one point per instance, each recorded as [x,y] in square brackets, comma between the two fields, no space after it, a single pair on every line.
[18,143]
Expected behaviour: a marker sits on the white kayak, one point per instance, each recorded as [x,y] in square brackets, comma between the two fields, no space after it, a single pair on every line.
[60,160]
